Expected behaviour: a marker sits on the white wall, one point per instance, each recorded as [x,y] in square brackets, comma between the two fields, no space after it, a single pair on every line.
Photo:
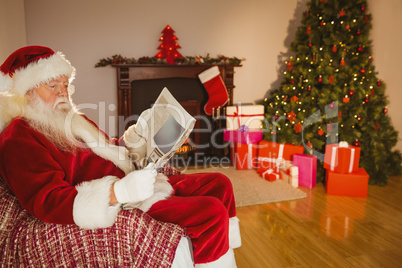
[258,30]
[12,27]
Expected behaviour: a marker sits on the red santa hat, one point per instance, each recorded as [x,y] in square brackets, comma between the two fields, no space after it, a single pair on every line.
[28,67]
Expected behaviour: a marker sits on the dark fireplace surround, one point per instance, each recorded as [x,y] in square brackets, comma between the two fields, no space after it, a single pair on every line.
[138,86]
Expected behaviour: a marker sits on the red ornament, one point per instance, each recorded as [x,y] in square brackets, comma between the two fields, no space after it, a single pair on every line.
[309,44]
[298,128]
[346,100]
[351,93]
[340,115]
[356,143]
[377,125]
[372,92]
[366,18]
[342,13]
[347,27]
[360,48]
[359,118]
[291,116]
[329,128]
[313,56]
[331,79]
[366,100]
[308,30]
[320,79]
[334,48]
[320,132]
[292,81]
[385,110]
[342,63]
[169,46]
[309,88]
[307,13]
[378,83]
[276,117]
[322,23]
[362,70]
[289,65]
[363,8]
[309,145]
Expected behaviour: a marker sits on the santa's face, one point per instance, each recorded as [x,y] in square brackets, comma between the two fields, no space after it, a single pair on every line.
[55,93]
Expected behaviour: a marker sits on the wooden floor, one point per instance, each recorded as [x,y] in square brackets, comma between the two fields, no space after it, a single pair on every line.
[325,231]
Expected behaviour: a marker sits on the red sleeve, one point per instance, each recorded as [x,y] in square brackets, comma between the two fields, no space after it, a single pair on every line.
[36,179]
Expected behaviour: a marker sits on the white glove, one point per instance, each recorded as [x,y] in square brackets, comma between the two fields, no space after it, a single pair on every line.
[136,186]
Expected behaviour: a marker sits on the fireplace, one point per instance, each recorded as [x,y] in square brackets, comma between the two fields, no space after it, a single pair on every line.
[138,85]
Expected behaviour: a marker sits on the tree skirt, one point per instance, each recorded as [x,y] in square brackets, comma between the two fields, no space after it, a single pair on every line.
[250,189]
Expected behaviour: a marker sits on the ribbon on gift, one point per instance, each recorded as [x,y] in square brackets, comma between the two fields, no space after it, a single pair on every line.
[238,115]
[279,161]
[342,144]
[270,172]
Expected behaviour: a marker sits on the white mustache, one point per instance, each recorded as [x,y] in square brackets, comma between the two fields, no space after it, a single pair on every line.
[59,100]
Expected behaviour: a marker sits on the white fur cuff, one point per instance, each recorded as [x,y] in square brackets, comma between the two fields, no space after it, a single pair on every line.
[234,233]
[91,205]
[227,260]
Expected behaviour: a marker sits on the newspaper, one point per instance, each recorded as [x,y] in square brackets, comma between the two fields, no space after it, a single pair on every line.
[165,127]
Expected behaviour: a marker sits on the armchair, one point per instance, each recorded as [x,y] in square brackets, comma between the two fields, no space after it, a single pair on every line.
[135,240]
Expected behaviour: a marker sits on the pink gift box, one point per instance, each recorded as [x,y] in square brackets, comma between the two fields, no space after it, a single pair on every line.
[307,169]
[244,137]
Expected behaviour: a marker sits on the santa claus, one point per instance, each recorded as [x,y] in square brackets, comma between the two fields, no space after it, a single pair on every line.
[63,169]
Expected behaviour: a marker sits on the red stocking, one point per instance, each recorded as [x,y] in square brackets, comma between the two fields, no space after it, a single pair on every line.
[217,92]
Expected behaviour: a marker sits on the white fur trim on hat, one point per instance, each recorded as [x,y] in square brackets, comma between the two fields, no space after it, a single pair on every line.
[41,71]
[5,82]
[91,207]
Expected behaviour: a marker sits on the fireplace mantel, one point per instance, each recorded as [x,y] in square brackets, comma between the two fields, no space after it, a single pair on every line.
[127,73]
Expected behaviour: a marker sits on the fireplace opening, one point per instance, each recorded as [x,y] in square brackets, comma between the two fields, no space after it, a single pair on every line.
[206,140]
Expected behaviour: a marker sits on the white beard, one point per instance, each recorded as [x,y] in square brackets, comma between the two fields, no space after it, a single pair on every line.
[69,131]
[54,124]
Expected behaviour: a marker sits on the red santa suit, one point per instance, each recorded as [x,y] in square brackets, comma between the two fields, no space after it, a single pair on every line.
[63,187]
[73,188]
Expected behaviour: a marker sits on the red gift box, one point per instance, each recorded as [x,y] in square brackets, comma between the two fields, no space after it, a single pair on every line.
[349,184]
[341,158]
[270,175]
[244,156]
[272,152]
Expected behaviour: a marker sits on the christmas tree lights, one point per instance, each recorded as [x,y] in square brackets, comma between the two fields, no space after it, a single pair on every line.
[330,90]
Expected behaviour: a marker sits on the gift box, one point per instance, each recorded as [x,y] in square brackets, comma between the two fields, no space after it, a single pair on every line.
[248,115]
[307,165]
[290,176]
[245,137]
[274,150]
[347,184]
[341,158]
[270,175]
[244,156]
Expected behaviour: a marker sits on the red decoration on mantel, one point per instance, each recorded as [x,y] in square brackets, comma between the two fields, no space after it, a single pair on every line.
[169,46]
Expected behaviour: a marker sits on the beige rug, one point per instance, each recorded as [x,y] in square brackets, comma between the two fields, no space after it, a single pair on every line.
[250,189]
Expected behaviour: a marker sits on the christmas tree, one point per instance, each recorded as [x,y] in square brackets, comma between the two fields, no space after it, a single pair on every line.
[330,91]
[169,46]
